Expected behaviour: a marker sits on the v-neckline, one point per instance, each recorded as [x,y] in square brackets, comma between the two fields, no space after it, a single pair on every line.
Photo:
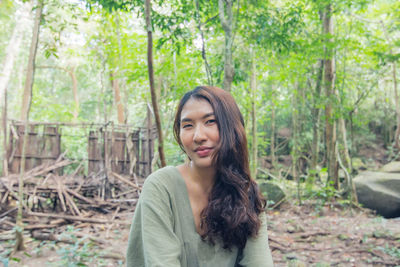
[188,206]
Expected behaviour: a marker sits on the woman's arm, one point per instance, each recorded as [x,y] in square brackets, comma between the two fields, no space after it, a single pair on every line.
[257,252]
[152,241]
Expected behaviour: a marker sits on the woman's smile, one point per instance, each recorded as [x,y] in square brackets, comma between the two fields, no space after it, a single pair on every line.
[203,151]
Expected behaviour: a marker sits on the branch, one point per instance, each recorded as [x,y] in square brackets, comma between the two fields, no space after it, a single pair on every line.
[221,8]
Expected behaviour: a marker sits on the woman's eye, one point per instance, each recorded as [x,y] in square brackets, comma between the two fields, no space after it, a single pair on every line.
[186,126]
[211,121]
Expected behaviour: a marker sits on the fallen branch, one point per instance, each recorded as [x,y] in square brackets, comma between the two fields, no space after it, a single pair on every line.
[77,195]
[126,181]
[68,217]
[8,212]
[309,234]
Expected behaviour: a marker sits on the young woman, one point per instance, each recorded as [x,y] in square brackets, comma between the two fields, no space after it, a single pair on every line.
[208,211]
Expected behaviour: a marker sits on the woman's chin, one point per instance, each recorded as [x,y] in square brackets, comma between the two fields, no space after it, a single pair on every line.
[203,163]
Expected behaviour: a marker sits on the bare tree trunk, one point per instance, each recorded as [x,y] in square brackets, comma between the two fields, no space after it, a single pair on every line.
[396,99]
[27,96]
[19,244]
[253,88]
[330,133]
[203,44]
[175,69]
[396,96]
[273,158]
[5,156]
[71,73]
[343,131]
[151,80]
[295,135]
[117,98]
[225,6]
[316,115]
[121,107]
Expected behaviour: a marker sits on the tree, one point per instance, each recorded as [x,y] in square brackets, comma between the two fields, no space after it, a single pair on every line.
[329,83]
[26,104]
[253,89]
[226,17]
[149,29]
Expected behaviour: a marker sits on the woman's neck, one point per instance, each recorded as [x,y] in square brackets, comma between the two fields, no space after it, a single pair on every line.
[203,177]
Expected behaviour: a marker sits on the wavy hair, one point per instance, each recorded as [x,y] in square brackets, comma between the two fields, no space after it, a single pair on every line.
[235,201]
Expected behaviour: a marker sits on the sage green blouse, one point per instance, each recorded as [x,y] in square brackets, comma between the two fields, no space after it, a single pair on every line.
[163,232]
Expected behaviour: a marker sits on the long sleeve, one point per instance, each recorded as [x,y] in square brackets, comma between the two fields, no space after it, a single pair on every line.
[257,252]
[152,242]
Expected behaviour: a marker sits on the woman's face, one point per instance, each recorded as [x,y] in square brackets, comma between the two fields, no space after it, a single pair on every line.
[199,132]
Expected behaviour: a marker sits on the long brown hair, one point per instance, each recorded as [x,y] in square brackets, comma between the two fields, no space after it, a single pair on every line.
[235,201]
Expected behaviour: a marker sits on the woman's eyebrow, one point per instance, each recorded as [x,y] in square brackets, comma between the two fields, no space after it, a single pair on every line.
[205,116]
[208,115]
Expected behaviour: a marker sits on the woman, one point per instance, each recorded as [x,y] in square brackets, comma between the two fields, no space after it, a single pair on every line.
[208,211]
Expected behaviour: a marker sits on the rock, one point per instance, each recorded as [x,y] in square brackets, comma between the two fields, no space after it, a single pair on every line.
[393,167]
[379,191]
[272,192]
[290,229]
[358,164]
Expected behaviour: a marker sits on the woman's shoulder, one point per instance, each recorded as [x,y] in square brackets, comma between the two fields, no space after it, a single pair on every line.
[165,176]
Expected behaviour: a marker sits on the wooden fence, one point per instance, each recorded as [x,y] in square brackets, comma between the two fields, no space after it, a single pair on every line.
[122,149]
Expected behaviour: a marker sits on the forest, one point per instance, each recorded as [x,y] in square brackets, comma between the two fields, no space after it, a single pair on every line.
[315,80]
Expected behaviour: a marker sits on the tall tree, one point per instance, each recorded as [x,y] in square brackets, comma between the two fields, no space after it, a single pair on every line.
[30,73]
[149,29]
[316,114]
[226,17]
[253,88]
[27,99]
[396,94]
[203,42]
[72,74]
[329,82]
[117,98]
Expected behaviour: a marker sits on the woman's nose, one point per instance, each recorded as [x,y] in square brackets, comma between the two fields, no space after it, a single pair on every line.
[199,134]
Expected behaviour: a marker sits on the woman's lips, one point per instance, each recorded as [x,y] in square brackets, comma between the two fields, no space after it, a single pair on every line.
[203,152]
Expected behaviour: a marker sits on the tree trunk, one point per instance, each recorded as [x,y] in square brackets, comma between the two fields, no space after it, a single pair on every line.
[71,73]
[343,131]
[13,47]
[316,115]
[19,244]
[122,107]
[203,44]
[151,80]
[273,158]
[295,136]
[396,99]
[396,96]
[27,96]
[117,98]
[253,88]
[5,156]
[330,133]
[227,26]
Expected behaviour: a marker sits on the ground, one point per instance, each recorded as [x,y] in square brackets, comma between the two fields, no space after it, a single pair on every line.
[332,235]
[314,234]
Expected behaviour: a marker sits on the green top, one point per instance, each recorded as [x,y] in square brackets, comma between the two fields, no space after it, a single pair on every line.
[163,231]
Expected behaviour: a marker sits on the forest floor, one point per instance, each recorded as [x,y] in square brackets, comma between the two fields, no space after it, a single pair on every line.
[332,235]
[309,235]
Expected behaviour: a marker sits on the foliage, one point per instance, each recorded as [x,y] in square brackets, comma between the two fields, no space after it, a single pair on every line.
[99,38]
[392,251]
[77,254]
